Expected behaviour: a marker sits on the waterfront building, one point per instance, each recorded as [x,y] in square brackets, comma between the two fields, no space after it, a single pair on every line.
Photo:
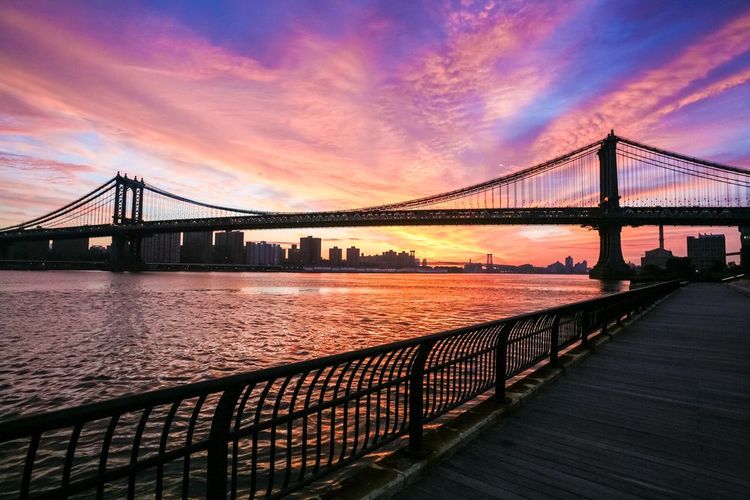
[707,251]
[581,267]
[473,267]
[569,264]
[70,249]
[352,256]
[404,260]
[196,247]
[161,248]
[293,256]
[390,259]
[657,257]
[310,250]
[334,257]
[556,268]
[228,247]
[263,254]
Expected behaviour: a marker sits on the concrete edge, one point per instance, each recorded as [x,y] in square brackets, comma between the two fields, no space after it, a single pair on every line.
[395,472]
[740,289]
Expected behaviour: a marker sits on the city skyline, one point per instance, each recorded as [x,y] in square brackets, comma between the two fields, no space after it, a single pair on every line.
[230,247]
[350,105]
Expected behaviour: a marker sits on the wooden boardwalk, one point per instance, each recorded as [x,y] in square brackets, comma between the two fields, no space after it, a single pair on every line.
[663,411]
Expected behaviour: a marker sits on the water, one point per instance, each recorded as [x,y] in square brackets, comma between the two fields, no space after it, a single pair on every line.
[70,337]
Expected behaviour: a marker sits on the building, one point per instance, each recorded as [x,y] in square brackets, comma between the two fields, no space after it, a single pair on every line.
[161,248]
[657,257]
[389,259]
[70,249]
[556,268]
[334,257]
[745,248]
[473,267]
[352,257]
[707,251]
[197,247]
[581,267]
[228,247]
[310,251]
[263,254]
[569,264]
[294,256]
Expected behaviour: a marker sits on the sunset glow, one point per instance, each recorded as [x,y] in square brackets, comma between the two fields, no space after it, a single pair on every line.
[298,106]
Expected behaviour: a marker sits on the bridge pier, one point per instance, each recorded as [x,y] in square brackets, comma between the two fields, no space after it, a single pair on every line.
[745,248]
[125,254]
[611,264]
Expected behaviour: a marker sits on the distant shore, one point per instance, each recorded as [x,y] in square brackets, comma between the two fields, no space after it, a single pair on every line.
[44,265]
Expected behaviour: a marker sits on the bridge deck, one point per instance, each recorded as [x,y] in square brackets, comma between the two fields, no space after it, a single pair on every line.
[662,412]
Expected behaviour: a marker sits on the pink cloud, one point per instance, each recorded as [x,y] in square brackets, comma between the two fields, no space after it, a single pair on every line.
[638,105]
[324,127]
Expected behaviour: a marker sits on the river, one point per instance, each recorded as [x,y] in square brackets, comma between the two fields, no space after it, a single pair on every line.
[70,337]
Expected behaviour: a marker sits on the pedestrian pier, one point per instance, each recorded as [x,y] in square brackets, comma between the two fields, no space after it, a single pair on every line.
[661,412]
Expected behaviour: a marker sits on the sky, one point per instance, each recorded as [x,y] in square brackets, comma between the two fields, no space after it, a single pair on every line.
[324,105]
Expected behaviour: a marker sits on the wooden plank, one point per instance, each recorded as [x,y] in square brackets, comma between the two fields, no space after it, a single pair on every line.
[663,411]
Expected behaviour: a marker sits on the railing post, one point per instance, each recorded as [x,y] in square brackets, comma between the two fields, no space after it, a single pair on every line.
[554,348]
[416,398]
[218,449]
[501,361]
[585,325]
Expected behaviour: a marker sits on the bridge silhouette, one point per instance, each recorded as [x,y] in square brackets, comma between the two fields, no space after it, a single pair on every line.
[611,183]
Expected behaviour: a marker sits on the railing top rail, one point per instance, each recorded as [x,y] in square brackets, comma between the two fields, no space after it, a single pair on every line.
[44,422]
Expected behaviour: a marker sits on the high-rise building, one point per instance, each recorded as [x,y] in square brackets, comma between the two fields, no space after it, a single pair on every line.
[390,259]
[707,251]
[161,248]
[196,247]
[569,264]
[310,251]
[228,247]
[352,257]
[70,249]
[334,257]
[403,260]
[293,256]
[262,254]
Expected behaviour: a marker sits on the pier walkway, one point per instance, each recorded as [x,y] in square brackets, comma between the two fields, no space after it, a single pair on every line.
[662,412]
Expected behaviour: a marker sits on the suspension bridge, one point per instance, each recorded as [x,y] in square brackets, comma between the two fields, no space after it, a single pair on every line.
[611,183]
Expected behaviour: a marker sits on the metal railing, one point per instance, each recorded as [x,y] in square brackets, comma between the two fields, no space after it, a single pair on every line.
[272,431]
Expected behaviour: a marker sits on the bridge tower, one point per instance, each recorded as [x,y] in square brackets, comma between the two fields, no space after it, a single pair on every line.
[128,210]
[611,264]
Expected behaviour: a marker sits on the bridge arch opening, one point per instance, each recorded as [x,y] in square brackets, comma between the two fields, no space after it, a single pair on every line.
[129,206]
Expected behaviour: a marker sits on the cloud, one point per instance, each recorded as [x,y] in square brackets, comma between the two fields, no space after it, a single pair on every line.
[640,103]
[375,110]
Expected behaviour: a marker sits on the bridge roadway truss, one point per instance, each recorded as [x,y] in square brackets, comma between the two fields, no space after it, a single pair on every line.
[605,185]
